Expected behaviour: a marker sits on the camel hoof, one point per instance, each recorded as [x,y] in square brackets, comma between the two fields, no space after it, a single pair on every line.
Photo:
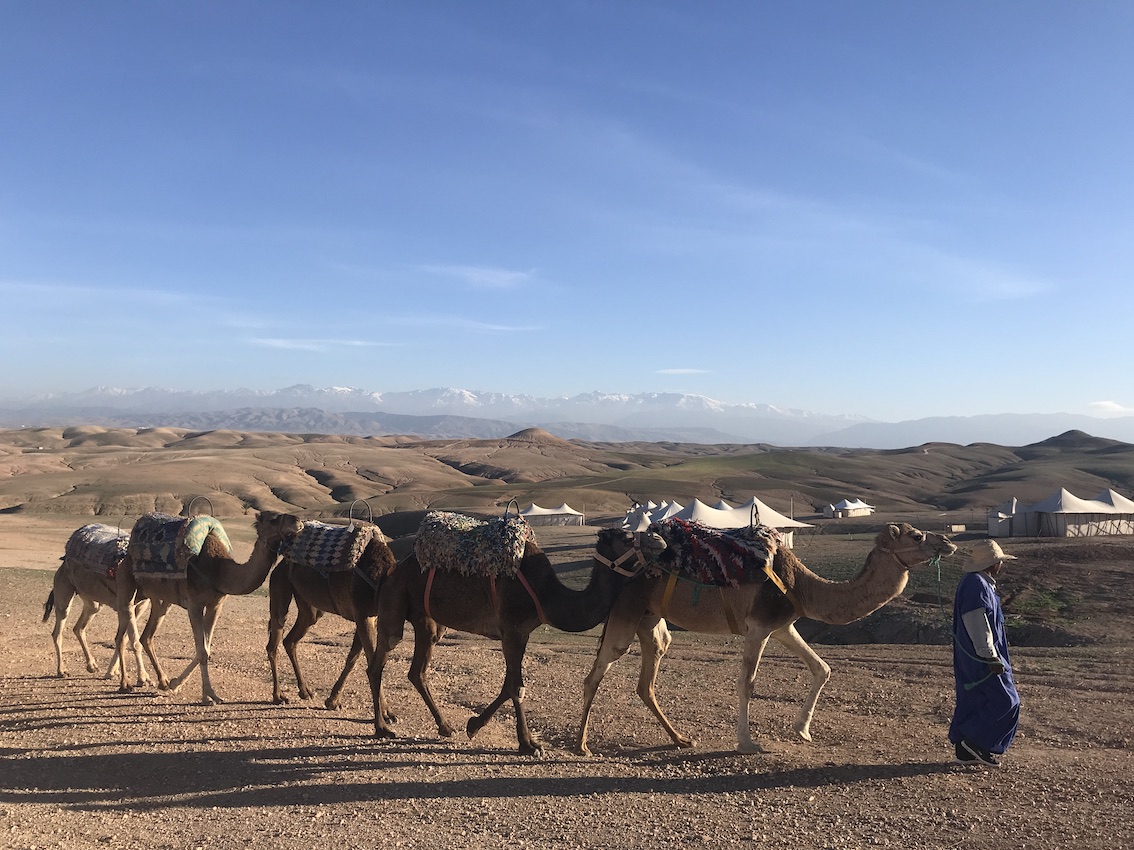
[749,747]
[62,675]
[583,750]
[332,703]
[474,725]
[683,743]
[280,699]
[445,730]
[533,749]
[382,732]
[126,689]
[92,668]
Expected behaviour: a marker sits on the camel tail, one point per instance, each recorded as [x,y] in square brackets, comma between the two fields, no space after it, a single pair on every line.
[49,606]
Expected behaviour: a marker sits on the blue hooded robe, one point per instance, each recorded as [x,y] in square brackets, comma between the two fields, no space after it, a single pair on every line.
[988,706]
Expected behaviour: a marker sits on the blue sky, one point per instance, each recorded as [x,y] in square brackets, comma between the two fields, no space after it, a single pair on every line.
[890,209]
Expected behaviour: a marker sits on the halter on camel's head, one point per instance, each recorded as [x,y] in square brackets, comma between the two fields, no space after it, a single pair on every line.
[644,539]
[942,546]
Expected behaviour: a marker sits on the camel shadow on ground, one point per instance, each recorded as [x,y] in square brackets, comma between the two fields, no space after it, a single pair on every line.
[368,772]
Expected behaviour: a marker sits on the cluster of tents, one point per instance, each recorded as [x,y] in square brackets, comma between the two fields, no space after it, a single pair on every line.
[720,515]
[1063,514]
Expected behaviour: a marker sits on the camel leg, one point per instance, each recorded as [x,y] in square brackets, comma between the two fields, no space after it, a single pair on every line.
[90,608]
[754,643]
[334,699]
[158,610]
[59,602]
[383,646]
[425,636]
[211,613]
[280,594]
[789,638]
[514,646]
[306,617]
[655,641]
[127,629]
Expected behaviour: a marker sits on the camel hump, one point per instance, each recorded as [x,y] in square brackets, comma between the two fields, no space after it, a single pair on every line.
[717,557]
[160,543]
[459,543]
[97,547]
[330,547]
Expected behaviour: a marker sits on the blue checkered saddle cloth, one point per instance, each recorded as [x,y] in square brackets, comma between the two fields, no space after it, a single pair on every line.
[328,547]
[457,543]
[714,556]
[164,545]
[97,547]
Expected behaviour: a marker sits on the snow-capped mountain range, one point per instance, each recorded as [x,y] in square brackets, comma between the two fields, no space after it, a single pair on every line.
[447,413]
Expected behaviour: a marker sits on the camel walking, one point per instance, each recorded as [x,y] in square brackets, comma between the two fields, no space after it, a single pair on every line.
[506,608]
[759,611]
[350,593]
[209,577]
[93,555]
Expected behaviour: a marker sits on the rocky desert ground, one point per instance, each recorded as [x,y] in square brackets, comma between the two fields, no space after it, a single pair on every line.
[85,766]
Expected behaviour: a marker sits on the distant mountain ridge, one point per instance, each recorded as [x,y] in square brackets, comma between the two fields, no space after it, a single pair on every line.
[445,413]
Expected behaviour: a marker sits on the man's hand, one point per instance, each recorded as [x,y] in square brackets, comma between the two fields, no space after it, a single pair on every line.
[995,665]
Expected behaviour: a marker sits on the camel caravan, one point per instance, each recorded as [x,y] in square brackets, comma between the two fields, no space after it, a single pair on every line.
[487,577]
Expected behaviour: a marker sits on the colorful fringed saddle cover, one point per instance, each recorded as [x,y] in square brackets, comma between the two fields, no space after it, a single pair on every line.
[98,547]
[163,545]
[717,557]
[458,543]
[328,547]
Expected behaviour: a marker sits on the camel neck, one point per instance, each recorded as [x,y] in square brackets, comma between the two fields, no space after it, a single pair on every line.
[838,603]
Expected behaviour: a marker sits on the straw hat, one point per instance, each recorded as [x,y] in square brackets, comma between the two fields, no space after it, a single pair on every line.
[983,555]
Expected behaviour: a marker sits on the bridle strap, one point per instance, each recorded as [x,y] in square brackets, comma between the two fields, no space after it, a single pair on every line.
[616,564]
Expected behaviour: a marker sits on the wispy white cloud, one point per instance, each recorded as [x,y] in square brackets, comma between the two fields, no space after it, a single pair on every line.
[682,371]
[460,323]
[483,277]
[318,345]
[1110,408]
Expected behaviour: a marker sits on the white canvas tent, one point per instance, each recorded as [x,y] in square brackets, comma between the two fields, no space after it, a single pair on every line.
[848,508]
[562,515]
[1063,514]
[739,517]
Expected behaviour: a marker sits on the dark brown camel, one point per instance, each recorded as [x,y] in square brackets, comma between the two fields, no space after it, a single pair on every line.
[466,603]
[351,594]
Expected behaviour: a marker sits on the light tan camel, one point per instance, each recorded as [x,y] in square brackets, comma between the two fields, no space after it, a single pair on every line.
[201,590]
[467,603]
[95,587]
[351,594]
[764,612]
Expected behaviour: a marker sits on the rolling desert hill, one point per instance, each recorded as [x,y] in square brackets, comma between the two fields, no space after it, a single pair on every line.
[115,472]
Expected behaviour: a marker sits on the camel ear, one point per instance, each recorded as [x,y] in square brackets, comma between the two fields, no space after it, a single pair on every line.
[895,531]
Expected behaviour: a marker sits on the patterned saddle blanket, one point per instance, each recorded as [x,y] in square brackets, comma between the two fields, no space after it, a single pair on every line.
[98,547]
[458,543]
[328,547]
[163,545]
[717,557]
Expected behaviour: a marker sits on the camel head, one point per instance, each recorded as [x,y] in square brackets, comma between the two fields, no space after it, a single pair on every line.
[273,526]
[616,546]
[911,546]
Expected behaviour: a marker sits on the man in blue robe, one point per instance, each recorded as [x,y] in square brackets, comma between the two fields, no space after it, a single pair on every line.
[988,706]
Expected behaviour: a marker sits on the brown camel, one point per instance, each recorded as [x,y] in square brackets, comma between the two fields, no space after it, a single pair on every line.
[767,612]
[88,569]
[349,593]
[510,614]
[201,590]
